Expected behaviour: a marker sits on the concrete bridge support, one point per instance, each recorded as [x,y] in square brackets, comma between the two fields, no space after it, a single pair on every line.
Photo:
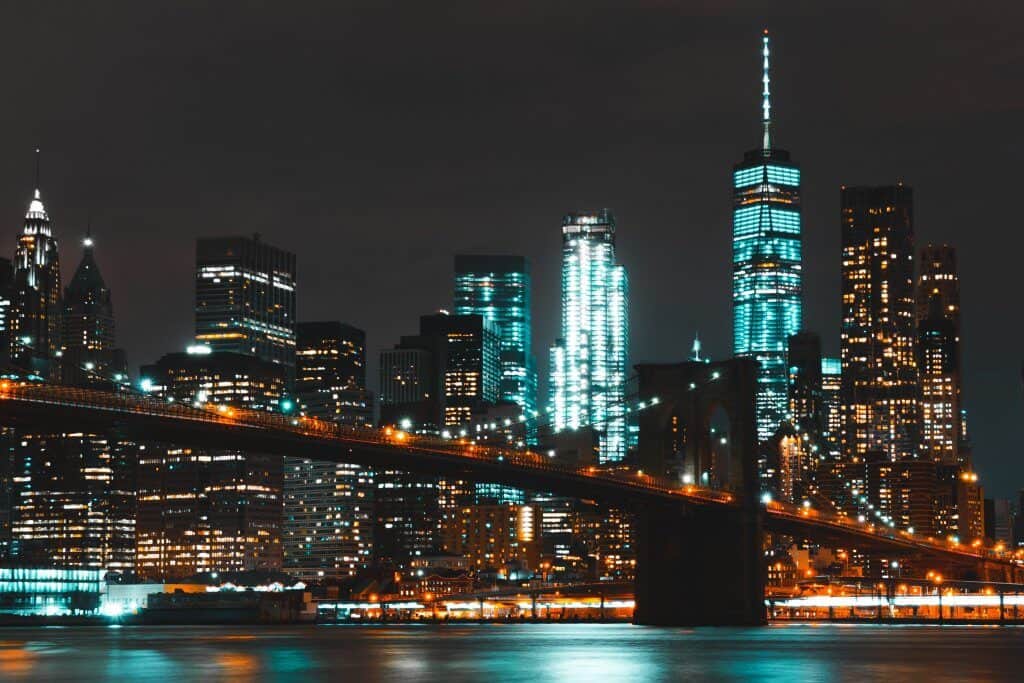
[699,568]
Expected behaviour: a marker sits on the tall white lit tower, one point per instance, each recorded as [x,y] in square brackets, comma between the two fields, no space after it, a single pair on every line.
[588,362]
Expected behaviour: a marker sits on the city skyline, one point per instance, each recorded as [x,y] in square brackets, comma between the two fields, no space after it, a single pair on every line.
[698,291]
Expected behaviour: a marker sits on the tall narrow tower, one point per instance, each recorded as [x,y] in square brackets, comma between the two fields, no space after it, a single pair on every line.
[767,291]
[36,325]
[588,362]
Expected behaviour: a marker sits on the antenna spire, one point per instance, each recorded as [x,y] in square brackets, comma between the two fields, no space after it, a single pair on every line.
[766,94]
[37,171]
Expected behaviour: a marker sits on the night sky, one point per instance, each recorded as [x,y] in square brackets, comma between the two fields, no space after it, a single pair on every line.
[377,139]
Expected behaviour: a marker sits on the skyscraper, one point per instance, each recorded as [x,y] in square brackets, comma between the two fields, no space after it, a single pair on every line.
[588,361]
[442,376]
[90,356]
[498,288]
[767,290]
[939,355]
[880,384]
[880,375]
[330,381]
[245,298]
[328,513]
[36,324]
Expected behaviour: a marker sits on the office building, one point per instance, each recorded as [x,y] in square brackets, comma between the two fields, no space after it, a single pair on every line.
[498,288]
[73,502]
[330,380]
[245,299]
[90,357]
[767,290]
[36,323]
[589,360]
[328,508]
[210,510]
[443,376]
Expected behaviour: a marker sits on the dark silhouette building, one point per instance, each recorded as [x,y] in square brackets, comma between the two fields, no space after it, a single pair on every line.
[90,356]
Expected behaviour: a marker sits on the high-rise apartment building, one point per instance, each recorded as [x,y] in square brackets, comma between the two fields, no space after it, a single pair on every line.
[328,509]
[245,298]
[939,355]
[880,373]
[589,360]
[881,384]
[767,289]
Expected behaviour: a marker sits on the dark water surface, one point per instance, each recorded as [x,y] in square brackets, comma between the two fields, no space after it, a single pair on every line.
[513,652]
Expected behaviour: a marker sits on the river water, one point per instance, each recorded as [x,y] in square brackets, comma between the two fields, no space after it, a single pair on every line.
[513,652]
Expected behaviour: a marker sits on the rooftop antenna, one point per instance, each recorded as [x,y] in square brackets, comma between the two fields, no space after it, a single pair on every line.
[38,154]
[766,94]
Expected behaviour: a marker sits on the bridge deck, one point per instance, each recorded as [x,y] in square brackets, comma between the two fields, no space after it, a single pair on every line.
[41,406]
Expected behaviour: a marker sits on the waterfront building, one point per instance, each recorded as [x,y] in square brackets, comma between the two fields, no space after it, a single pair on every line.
[36,323]
[90,357]
[72,501]
[767,289]
[503,537]
[328,509]
[210,510]
[245,298]
[589,360]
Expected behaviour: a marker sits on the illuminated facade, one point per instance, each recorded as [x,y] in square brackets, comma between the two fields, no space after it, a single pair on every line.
[589,360]
[328,515]
[36,323]
[89,354]
[210,510]
[878,338]
[494,536]
[444,376]
[498,288]
[73,502]
[939,355]
[245,298]
[330,376]
[767,290]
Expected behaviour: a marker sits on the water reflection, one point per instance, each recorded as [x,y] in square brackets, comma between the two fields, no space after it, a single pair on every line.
[512,652]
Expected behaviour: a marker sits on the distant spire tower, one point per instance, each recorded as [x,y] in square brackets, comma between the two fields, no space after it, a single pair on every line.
[766,94]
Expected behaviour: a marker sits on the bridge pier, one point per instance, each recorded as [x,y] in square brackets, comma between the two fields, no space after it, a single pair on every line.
[701,567]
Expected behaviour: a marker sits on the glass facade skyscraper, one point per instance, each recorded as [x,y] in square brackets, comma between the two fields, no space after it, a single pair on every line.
[498,288]
[588,362]
[767,290]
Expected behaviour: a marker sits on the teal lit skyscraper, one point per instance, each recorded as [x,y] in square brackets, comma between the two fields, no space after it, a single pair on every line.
[498,288]
[588,362]
[767,299]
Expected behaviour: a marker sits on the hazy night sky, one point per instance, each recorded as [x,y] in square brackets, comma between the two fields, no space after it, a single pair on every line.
[376,140]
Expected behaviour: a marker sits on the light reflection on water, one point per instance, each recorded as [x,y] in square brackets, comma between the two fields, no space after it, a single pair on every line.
[512,652]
